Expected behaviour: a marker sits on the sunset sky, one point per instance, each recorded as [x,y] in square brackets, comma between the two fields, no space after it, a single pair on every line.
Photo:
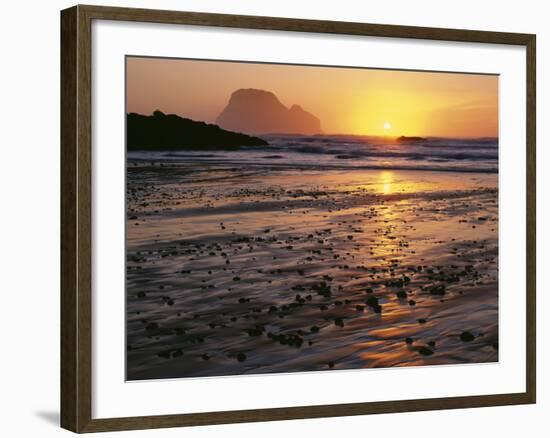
[346,100]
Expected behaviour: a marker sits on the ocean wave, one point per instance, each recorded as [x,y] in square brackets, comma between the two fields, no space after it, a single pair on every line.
[357,152]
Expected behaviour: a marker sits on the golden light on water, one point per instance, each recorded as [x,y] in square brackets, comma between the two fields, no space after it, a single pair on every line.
[386,180]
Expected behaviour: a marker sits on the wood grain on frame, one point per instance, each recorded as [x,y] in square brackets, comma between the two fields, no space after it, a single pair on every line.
[76,168]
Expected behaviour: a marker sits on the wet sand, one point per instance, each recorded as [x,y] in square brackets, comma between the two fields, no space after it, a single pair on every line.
[247,271]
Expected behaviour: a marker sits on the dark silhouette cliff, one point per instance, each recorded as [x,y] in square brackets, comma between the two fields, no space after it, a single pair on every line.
[260,112]
[170,132]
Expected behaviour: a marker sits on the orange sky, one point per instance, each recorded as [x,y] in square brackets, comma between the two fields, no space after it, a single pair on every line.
[346,100]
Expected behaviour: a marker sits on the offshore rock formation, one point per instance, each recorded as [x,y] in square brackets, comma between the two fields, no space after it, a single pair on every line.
[404,138]
[260,112]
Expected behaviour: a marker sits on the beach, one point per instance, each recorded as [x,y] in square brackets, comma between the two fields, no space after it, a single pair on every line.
[292,260]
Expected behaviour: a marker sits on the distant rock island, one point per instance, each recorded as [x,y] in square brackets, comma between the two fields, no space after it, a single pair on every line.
[410,139]
[171,132]
[260,112]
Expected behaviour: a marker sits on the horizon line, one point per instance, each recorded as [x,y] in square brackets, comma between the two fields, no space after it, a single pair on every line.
[393,136]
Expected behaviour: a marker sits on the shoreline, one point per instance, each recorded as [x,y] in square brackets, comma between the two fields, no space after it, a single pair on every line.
[287,270]
[315,167]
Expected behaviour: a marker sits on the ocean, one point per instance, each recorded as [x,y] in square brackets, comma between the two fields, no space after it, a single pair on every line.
[350,151]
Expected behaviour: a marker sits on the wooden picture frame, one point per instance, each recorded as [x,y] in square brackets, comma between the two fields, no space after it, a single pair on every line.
[76,217]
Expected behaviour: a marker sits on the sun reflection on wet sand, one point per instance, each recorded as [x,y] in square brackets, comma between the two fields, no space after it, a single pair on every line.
[386,179]
[309,271]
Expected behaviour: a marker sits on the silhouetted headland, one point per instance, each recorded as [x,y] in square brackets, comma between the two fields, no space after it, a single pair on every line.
[260,112]
[171,132]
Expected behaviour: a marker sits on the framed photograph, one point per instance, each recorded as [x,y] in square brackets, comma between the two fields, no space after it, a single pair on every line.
[269,218]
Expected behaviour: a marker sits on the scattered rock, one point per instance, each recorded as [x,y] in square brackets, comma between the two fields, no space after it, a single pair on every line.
[401,294]
[373,303]
[164,354]
[322,289]
[425,351]
[438,290]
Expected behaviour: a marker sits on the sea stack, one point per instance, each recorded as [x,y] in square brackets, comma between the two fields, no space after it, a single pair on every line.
[255,111]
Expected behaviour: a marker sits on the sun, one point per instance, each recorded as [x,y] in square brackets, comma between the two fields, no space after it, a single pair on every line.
[387,126]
